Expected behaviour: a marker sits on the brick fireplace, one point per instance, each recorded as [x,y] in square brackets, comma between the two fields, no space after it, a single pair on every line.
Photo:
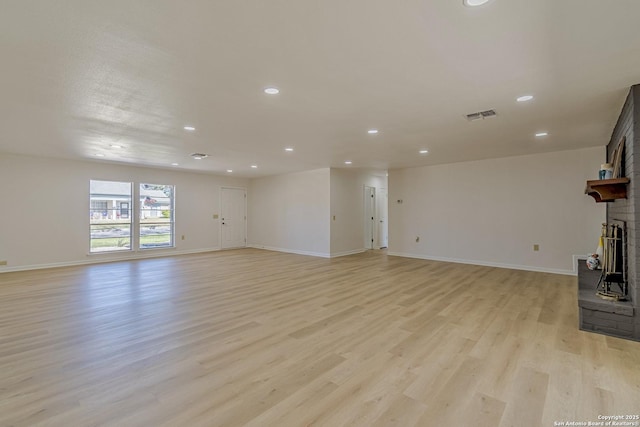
[619,318]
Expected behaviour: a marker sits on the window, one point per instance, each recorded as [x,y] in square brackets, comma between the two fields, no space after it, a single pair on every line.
[156,216]
[109,229]
[119,224]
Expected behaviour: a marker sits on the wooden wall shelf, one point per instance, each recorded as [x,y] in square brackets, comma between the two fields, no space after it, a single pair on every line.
[607,190]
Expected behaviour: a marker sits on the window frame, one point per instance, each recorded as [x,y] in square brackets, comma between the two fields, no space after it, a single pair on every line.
[140,210]
[111,217]
[134,215]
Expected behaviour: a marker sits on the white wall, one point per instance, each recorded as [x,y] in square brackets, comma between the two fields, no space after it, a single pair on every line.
[347,206]
[44,217]
[290,212]
[484,212]
[493,211]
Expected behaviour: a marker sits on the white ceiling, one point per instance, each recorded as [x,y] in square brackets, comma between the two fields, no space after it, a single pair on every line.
[78,76]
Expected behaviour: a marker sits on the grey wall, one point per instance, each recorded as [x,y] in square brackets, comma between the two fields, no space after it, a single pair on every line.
[628,210]
[620,319]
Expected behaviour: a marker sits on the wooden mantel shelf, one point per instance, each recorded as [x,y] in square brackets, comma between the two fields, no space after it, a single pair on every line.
[607,190]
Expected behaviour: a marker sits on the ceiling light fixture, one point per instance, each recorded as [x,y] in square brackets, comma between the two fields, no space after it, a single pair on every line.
[424,151]
[272,91]
[174,164]
[254,166]
[541,134]
[229,170]
[116,146]
[288,149]
[99,155]
[372,131]
[199,156]
[474,3]
[189,128]
[348,162]
[524,98]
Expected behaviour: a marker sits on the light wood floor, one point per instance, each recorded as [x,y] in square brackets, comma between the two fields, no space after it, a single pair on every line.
[250,337]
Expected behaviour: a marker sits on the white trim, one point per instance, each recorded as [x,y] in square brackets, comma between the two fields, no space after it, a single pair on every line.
[291,251]
[158,254]
[576,259]
[246,215]
[365,217]
[96,259]
[487,264]
[345,253]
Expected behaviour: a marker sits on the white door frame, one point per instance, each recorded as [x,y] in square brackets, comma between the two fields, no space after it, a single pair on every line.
[370,224]
[383,206]
[220,245]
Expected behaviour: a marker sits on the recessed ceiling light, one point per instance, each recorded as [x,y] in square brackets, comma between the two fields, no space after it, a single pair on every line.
[540,134]
[524,98]
[424,151]
[229,170]
[174,164]
[189,128]
[199,156]
[254,166]
[473,3]
[116,146]
[348,162]
[288,149]
[272,91]
[99,155]
[372,131]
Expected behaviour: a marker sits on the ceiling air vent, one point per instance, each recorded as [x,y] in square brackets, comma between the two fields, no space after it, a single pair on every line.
[474,116]
[480,115]
[199,156]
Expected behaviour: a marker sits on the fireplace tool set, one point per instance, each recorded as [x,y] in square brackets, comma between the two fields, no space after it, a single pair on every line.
[613,264]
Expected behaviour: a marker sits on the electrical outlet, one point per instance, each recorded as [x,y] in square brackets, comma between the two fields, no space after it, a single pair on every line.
[536,248]
[334,217]
[3,262]
[215,216]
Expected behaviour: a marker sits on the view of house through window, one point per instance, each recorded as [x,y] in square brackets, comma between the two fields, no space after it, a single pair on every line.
[110,222]
[156,216]
[114,225]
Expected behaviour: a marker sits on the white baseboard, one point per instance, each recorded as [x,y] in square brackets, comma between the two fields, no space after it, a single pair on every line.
[291,251]
[316,254]
[106,257]
[346,253]
[489,264]
[99,258]
[576,260]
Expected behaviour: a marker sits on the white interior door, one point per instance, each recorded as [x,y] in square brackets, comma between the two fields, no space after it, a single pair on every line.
[383,227]
[369,217]
[233,218]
